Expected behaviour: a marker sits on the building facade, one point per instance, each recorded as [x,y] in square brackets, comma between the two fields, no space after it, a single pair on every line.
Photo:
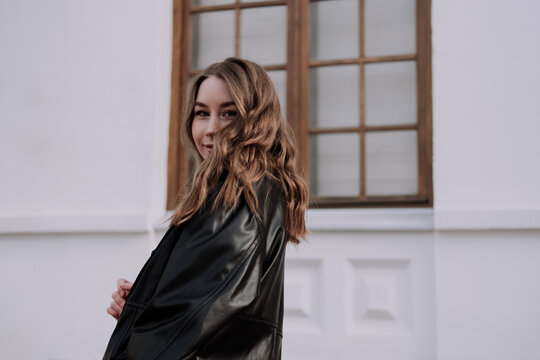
[85,102]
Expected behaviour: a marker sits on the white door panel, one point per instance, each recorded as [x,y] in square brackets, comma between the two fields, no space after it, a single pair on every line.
[360,296]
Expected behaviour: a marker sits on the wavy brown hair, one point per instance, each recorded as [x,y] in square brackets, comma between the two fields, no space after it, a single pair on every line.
[257,143]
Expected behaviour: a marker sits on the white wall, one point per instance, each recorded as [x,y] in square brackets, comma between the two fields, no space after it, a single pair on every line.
[56,288]
[488,295]
[81,82]
[486,87]
[84,111]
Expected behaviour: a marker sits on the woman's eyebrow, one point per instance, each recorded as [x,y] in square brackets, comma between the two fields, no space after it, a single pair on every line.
[225,104]
[228,103]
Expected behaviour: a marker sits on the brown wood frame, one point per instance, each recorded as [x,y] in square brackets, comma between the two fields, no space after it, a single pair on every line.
[298,74]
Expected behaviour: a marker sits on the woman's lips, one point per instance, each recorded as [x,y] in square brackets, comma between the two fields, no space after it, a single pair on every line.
[208,146]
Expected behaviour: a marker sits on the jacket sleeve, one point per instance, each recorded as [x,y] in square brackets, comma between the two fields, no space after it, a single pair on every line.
[213,272]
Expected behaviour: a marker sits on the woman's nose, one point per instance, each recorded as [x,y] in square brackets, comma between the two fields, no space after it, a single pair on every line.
[213,126]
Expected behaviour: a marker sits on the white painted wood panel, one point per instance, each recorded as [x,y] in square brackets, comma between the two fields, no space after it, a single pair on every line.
[357,295]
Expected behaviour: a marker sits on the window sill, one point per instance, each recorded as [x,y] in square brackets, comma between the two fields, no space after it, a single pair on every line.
[406,219]
[328,220]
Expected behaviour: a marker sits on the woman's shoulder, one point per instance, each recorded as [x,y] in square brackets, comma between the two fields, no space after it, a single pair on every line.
[268,186]
[270,199]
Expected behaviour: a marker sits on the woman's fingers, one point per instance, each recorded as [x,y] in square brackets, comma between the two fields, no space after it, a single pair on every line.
[114,310]
[123,284]
[118,299]
[117,308]
[113,313]
[119,296]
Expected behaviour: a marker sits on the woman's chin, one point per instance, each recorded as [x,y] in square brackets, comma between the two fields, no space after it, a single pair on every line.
[205,154]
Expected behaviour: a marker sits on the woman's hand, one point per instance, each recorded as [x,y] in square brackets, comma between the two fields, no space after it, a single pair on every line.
[119,297]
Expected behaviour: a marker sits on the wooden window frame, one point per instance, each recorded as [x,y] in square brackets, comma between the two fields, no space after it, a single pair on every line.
[298,76]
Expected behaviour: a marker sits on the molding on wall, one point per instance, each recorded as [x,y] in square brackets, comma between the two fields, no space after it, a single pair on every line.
[326,220]
[410,219]
[318,220]
[80,223]
[487,219]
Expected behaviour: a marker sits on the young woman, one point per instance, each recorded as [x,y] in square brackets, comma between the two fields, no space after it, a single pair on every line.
[213,287]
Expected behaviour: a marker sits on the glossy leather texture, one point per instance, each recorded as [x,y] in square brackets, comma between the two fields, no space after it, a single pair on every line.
[212,289]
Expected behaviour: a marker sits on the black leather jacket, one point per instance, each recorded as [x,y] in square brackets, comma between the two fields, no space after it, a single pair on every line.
[212,288]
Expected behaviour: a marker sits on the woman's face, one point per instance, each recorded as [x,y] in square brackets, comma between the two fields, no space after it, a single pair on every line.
[214,108]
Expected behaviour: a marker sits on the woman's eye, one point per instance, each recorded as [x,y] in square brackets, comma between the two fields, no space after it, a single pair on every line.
[229,114]
[201,113]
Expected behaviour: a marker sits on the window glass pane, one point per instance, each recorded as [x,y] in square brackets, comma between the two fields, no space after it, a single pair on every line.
[279,78]
[212,38]
[390,27]
[210,2]
[263,35]
[334,96]
[334,165]
[391,93]
[391,163]
[334,29]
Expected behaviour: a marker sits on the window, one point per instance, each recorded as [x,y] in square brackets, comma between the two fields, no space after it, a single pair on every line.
[354,81]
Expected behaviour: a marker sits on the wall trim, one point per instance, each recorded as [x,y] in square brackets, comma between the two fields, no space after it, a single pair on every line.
[318,220]
[407,219]
[487,219]
[327,220]
[80,223]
